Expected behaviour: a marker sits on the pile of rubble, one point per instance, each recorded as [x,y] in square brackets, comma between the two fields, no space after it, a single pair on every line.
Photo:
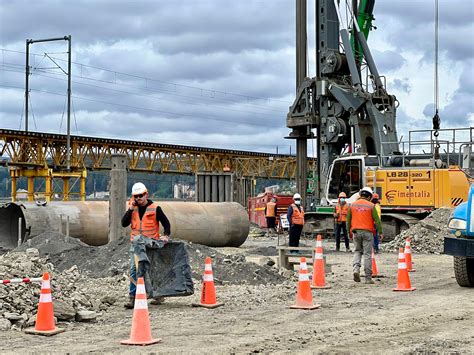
[112,260]
[427,236]
[75,297]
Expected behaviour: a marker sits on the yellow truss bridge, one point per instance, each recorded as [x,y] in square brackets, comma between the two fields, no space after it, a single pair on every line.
[36,154]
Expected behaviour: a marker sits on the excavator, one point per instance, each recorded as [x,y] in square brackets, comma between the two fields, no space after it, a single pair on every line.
[354,122]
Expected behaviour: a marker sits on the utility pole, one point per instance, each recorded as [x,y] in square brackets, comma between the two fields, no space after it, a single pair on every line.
[27,89]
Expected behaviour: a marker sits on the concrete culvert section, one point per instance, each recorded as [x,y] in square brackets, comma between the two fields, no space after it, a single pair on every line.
[212,224]
[10,213]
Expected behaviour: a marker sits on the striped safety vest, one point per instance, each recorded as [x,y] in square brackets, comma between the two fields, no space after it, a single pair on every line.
[342,211]
[297,217]
[148,226]
[271,209]
[361,215]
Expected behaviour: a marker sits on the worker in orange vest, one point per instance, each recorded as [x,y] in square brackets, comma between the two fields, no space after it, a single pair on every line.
[270,214]
[295,217]
[361,218]
[145,217]
[340,217]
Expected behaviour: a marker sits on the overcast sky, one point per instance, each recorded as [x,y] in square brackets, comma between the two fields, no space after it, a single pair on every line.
[214,73]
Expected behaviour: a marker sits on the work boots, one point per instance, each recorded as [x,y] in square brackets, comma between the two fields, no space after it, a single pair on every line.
[356,277]
[131,303]
[157,300]
[369,281]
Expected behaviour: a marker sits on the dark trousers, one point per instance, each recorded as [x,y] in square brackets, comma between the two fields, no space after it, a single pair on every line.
[376,242]
[295,233]
[271,222]
[341,227]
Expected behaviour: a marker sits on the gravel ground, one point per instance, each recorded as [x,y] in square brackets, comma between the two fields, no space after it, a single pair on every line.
[358,318]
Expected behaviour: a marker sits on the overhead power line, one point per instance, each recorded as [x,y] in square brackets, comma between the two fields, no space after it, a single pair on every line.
[252,123]
[201,89]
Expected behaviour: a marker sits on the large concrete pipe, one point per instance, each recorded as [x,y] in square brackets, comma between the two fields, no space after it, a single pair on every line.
[215,224]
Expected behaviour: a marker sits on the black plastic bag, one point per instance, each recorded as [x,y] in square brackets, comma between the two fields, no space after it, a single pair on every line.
[169,272]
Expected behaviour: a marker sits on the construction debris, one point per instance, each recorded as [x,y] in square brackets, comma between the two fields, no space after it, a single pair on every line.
[112,260]
[72,292]
[427,236]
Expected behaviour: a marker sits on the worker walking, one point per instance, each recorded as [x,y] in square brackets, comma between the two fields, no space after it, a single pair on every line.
[295,217]
[340,216]
[145,217]
[361,218]
[270,214]
[376,202]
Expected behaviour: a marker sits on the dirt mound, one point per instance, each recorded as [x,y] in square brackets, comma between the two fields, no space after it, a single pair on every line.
[113,260]
[427,236]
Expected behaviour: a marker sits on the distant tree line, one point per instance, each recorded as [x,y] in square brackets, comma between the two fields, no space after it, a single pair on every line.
[159,185]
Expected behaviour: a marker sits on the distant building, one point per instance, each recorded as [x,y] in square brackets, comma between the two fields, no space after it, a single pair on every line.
[21,194]
[183,192]
[272,189]
[98,195]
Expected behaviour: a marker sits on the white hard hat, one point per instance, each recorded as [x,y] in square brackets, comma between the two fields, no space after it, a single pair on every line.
[367,190]
[138,188]
[297,195]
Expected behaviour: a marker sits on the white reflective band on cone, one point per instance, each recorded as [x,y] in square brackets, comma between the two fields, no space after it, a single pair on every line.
[402,265]
[140,304]
[303,266]
[401,255]
[141,289]
[318,256]
[208,267]
[304,277]
[407,251]
[45,298]
[208,278]
[46,284]
[319,243]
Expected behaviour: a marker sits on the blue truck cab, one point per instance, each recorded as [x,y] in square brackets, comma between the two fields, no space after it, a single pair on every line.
[460,243]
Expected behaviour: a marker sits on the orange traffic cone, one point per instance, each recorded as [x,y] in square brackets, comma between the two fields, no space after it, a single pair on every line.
[141,332]
[408,255]
[319,278]
[208,293]
[304,297]
[375,272]
[44,324]
[403,283]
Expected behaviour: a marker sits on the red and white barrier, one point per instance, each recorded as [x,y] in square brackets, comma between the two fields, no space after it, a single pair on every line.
[25,280]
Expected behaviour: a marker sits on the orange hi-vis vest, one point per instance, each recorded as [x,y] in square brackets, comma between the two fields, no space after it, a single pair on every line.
[342,211]
[361,215]
[148,226]
[271,209]
[297,217]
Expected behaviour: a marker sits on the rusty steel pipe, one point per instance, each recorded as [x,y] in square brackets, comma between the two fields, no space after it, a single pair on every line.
[215,224]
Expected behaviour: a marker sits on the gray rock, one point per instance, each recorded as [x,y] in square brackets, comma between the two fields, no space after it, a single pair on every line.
[108,300]
[11,316]
[5,324]
[32,252]
[31,321]
[64,310]
[266,261]
[86,316]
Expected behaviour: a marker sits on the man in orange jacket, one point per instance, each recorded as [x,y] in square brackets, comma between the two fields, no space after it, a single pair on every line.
[270,214]
[340,216]
[145,217]
[361,218]
[295,217]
